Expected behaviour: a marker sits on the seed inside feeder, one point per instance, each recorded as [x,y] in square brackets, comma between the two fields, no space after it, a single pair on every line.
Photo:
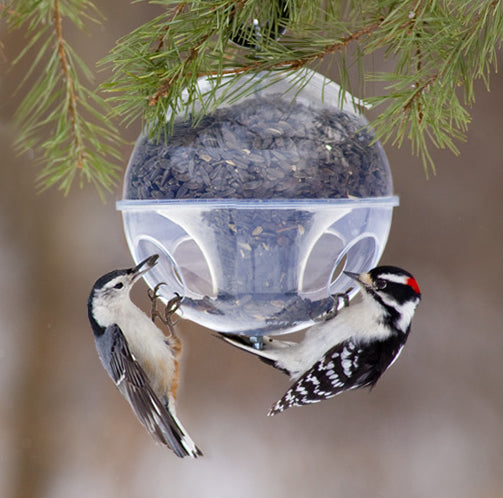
[263,148]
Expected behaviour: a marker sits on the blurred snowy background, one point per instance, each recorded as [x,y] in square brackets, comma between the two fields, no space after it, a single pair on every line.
[433,426]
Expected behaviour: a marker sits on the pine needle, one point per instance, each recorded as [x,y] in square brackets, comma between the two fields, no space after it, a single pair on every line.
[437,49]
[62,120]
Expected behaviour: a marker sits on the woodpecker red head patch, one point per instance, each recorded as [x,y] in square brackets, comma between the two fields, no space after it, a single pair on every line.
[411,282]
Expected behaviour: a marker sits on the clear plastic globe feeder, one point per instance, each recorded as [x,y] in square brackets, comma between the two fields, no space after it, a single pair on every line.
[257,209]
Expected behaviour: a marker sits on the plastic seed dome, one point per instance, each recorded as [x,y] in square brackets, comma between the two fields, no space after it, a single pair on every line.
[257,209]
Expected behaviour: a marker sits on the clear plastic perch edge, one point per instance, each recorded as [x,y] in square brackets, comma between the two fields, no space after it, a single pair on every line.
[257,209]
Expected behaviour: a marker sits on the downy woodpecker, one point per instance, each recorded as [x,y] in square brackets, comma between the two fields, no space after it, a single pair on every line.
[349,350]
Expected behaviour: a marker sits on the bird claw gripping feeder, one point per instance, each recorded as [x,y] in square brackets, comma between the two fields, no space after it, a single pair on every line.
[257,209]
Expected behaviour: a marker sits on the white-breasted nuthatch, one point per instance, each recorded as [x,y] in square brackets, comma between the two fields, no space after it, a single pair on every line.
[140,359]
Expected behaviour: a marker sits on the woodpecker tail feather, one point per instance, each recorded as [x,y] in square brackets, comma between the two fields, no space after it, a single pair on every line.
[270,353]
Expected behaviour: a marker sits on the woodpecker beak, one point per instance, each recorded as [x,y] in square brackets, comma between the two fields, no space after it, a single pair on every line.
[144,267]
[362,278]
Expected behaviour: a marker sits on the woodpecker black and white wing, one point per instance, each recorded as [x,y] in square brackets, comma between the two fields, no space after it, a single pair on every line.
[348,365]
[133,383]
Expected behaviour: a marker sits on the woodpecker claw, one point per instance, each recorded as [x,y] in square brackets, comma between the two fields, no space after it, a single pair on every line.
[336,306]
[173,304]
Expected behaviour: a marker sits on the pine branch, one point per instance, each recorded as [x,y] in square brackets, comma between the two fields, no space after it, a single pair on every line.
[439,49]
[62,120]
[446,49]
[291,64]
[198,43]
[437,46]
[70,86]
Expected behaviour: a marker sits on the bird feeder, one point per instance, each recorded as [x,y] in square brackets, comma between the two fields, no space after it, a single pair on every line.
[257,209]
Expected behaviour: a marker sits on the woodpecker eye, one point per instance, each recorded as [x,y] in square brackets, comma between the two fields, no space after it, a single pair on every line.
[120,285]
[381,284]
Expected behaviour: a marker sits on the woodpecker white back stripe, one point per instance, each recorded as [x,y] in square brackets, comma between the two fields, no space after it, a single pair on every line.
[406,311]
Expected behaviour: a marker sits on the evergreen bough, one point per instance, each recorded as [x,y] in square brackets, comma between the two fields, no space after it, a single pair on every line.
[438,49]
